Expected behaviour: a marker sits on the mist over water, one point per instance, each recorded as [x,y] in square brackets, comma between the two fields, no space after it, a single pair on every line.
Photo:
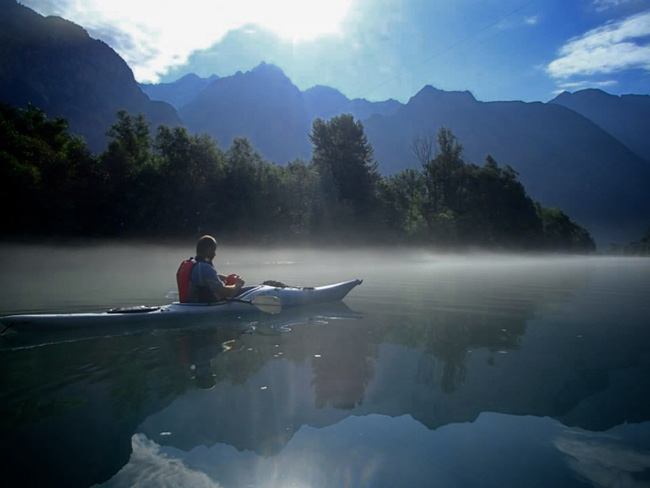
[76,277]
[439,370]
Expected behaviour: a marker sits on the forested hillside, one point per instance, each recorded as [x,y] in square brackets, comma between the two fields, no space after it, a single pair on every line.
[172,183]
[563,158]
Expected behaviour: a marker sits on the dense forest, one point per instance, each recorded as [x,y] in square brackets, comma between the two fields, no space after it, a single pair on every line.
[175,184]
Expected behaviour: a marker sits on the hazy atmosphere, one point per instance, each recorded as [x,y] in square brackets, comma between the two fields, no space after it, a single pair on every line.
[353,243]
[375,49]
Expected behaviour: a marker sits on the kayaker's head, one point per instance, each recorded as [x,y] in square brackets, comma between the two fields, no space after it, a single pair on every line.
[206,248]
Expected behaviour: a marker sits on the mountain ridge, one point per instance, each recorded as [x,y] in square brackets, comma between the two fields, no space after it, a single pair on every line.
[625,116]
[179,92]
[56,66]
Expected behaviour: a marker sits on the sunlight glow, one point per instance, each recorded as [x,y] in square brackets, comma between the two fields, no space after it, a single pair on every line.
[299,19]
[154,36]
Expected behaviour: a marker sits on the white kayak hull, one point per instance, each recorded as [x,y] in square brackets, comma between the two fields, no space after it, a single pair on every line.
[27,336]
[288,297]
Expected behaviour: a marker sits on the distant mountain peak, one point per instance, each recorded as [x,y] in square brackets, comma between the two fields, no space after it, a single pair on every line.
[189,76]
[429,92]
[268,69]
[432,95]
[323,89]
[623,116]
[586,94]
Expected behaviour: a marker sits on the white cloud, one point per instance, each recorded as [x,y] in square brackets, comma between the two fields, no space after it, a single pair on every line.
[516,22]
[532,20]
[150,466]
[604,463]
[579,85]
[602,5]
[613,47]
[582,84]
[153,36]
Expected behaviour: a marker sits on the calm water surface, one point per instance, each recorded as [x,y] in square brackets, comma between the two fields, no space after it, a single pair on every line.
[440,370]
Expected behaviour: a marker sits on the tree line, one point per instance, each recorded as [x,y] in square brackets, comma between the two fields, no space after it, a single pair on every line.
[176,184]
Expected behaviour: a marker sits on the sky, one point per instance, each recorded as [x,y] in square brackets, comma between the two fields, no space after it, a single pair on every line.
[528,50]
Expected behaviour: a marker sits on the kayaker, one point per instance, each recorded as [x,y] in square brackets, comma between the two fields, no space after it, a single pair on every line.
[206,285]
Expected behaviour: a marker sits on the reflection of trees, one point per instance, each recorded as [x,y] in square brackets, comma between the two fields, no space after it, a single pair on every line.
[447,319]
[83,400]
[80,401]
[343,369]
[342,358]
[447,337]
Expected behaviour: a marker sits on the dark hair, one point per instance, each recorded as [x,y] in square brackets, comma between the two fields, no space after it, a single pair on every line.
[205,243]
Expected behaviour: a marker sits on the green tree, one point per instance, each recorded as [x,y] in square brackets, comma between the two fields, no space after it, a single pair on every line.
[563,234]
[241,196]
[48,178]
[130,148]
[129,167]
[424,149]
[403,197]
[497,211]
[190,173]
[449,165]
[300,193]
[343,157]
[445,179]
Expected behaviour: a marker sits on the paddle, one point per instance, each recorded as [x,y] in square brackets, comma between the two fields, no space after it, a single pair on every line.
[266,304]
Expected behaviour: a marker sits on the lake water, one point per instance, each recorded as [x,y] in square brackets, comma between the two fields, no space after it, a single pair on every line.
[439,370]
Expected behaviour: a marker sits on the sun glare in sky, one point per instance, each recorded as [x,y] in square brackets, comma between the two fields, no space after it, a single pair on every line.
[153,36]
[380,49]
[299,19]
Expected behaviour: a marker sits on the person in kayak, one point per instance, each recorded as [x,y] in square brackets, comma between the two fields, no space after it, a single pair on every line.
[206,285]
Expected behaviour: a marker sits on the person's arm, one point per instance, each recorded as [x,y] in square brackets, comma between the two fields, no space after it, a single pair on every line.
[229,291]
[217,284]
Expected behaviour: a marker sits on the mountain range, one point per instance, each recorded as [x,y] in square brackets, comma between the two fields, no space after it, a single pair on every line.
[584,152]
[587,152]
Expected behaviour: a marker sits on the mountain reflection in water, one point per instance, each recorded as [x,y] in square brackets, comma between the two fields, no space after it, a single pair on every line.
[437,371]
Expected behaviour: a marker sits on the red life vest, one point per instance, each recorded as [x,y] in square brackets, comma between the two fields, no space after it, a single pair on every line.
[183,279]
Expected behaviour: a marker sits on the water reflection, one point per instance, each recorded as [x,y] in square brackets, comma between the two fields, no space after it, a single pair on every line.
[376,450]
[452,375]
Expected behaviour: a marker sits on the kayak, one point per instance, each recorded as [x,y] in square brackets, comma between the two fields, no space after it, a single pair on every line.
[265,298]
[28,335]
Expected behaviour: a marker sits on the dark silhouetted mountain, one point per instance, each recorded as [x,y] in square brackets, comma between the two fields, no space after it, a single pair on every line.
[563,159]
[325,102]
[179,92]
[262,105]
[626,117]
[55,65]
[265,106]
